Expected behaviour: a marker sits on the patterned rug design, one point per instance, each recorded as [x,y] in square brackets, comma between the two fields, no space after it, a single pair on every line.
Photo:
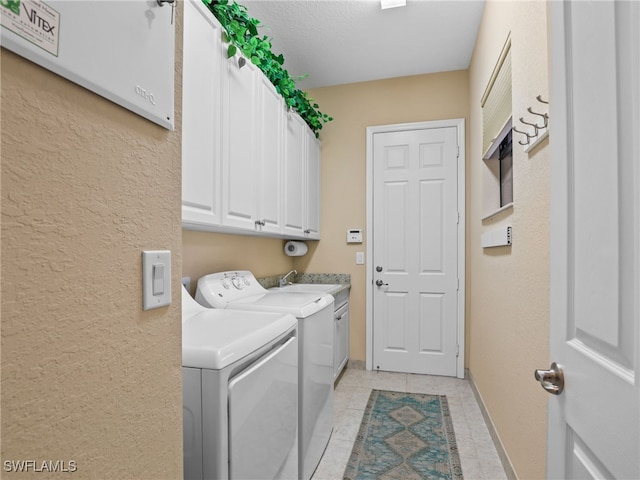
[405,436]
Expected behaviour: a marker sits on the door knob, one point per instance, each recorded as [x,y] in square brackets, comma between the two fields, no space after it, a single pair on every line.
[378,268]
[551,380]
[380,283]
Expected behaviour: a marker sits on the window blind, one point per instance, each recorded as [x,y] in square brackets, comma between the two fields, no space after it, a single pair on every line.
[496,102]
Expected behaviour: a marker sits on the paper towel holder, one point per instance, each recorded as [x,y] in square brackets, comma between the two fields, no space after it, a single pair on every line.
[295,248]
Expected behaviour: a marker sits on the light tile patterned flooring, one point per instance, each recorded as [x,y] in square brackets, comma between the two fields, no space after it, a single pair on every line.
[477,452]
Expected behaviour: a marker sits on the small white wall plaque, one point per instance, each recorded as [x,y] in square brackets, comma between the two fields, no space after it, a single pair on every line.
[496,238]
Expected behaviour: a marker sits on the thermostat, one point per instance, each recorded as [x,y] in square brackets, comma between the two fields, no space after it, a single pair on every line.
[354,235]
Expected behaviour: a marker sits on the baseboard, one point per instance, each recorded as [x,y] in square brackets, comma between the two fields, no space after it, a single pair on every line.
[502,454]
[356,364]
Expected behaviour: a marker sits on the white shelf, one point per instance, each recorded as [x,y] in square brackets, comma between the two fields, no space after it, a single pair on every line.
[537,141]
[499,210]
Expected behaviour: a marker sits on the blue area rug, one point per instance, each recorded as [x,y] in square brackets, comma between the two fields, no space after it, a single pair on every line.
[405,436]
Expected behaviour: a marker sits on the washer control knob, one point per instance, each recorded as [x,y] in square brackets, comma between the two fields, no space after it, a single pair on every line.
[226,283]
[238,283]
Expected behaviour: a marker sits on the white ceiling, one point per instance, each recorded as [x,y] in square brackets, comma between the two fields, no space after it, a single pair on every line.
[347,41]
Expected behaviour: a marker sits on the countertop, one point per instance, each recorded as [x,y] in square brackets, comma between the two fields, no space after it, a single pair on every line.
[342,279]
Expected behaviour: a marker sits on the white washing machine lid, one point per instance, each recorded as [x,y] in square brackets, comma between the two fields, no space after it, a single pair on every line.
[215,338]
[300,305]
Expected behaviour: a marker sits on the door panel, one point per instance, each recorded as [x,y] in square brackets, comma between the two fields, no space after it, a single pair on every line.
[430,334]
[583,463]
[312,196]
[396,330]
[396,200]
[239,130]
[294,176]
[201,79]
[432,226]
[594,425]
[263,411]
[415,242]
[272,117]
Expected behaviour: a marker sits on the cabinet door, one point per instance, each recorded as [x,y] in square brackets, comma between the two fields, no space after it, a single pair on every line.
[294,176]
[312,195]
[341,340]
[239,145]
[201,86]
[271,117]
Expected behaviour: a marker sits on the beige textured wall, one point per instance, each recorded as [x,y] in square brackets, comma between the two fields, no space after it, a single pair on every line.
[87,376]
[354,108]
[508,287]
[205,252]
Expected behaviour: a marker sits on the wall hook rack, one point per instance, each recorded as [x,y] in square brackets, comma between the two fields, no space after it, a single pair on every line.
[540,132]
[526,134]
[535,126]
[545,117]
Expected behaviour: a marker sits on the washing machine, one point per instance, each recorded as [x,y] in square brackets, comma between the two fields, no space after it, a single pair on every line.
[239,290]
[240,393]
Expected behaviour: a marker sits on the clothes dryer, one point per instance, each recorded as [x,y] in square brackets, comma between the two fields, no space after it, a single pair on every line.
[240,393]
[239,290]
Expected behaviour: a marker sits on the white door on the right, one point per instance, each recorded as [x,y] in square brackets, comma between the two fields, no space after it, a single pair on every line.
[594,424]
[415,250]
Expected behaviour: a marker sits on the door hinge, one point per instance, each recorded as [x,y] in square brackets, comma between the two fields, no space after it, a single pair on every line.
[457,284]
[457,350]
[458,218]
[458,153]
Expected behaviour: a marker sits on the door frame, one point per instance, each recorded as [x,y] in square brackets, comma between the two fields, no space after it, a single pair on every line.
[459,124]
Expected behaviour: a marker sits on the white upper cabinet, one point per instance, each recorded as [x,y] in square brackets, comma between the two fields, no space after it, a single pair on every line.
[239,144]
[302,180]
[312,197]
[271,119]
[253,136]
[294,176]
[248,165]
[201,118]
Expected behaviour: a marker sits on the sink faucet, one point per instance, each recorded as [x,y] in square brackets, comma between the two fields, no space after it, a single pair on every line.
[283,280]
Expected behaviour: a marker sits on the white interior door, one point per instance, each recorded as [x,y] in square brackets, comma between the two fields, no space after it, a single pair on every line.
[594,424]
[415,250]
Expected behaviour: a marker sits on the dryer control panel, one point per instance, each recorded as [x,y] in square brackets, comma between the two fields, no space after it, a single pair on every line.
[218,289]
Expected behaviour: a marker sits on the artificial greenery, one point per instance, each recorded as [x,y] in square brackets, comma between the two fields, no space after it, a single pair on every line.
[241,31]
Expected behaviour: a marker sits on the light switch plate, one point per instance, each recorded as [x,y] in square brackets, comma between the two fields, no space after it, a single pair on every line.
[359,258]
[156,279]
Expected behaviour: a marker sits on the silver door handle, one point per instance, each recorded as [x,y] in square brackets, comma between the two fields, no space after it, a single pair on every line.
[551,380]
[380,283]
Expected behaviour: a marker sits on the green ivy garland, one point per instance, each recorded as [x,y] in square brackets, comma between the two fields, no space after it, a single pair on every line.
[241,31]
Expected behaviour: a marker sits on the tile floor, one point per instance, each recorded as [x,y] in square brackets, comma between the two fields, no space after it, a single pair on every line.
[477,452]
